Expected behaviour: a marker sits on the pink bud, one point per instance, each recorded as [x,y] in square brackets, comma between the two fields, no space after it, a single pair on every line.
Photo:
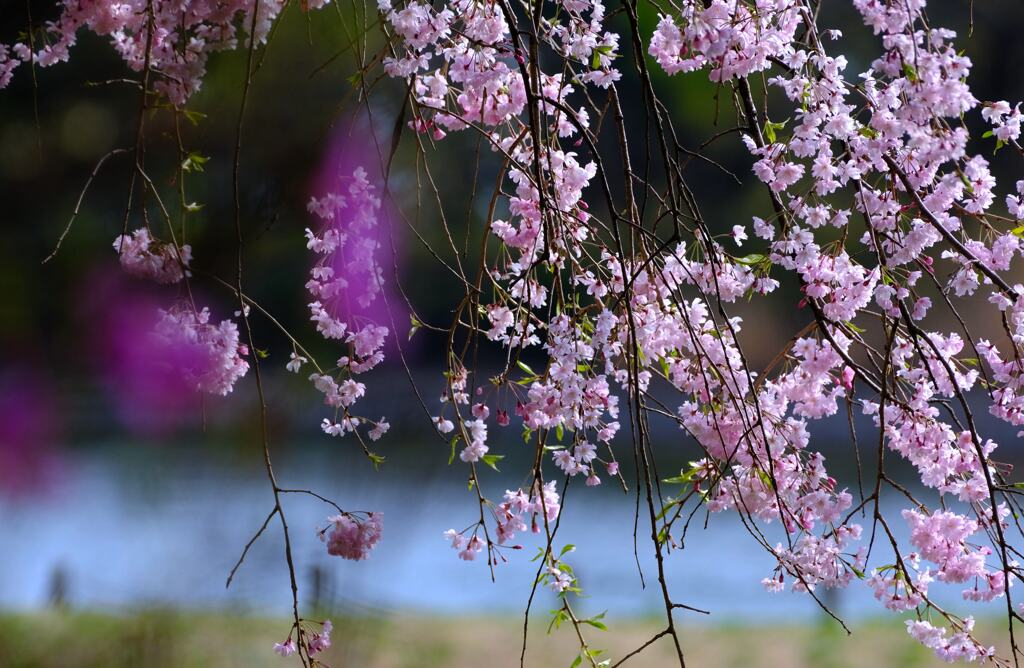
[847,377]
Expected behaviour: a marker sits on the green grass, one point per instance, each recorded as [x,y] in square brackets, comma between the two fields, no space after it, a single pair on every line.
[173,639]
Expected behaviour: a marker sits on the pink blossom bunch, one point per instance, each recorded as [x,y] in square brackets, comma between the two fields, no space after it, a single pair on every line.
[351,537]
[347,273]
[941,538]
[311,642]
[587,354]
[467,547]
[286,648]
[887,148]
[958,646]
[519,511]
[172,39]
[320,641]
[729,37]
[143,256]
[895,591]
[208,357]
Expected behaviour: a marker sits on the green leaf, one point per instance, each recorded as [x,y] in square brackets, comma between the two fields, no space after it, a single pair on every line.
[765,478]
[664,511]
[967,182]
[194,116]
[194,162]
[770,128]
[687,475]
[578,661]
[910,73]
[595,58]
[557,619]
[568,548]
[492,460]
[451,457]
[376,459]
[522,365]
[559,432]
[416,324]
[752,259]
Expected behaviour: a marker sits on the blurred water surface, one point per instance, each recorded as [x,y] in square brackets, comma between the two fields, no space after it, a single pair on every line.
[135,527]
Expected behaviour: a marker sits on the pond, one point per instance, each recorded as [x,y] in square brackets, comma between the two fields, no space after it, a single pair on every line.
[135,527]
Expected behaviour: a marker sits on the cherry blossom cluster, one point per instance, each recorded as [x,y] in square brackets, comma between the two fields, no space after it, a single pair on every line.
[464,67]
[958,646]
[143,256]
[754,431]
[519,511]
[312,641]
[172,39]
[890,146]
[346,280]
[208,356]
[352,537]
[634,304]
[730,38]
